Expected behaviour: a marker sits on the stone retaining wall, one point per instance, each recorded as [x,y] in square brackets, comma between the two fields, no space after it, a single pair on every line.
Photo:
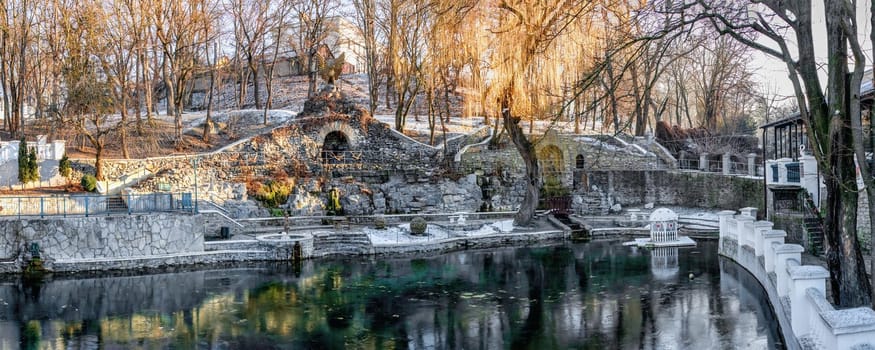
[103,237]
[600,190]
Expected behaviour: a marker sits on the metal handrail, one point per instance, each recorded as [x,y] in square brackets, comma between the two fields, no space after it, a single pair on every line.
[90,204]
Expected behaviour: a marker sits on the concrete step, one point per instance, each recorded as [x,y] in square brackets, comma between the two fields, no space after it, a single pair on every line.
[116,205]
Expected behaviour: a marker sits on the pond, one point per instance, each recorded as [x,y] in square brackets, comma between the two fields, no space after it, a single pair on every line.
[596,295]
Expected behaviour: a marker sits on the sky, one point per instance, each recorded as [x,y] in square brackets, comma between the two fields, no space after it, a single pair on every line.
[772,73]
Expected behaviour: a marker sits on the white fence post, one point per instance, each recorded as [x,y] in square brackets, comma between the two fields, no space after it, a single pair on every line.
[727,164]
[749,211]
[783,253]
[744,230]
[760,229]
[770,239]
[801,311]
[703,162]
[751,164]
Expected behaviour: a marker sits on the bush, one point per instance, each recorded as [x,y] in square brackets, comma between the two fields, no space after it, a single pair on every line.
[273,193]
[418,226]
[89,182]
[64,167]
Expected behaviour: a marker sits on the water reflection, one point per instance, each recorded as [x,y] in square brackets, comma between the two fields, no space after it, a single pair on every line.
[664,263]
[599,295]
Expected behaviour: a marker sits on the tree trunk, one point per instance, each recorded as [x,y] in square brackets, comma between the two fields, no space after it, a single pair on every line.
[168,89]
[429,96]
[870,190]
[242,84]
[147,89]
[850,285]
[208,122]
[123,128]
[311,75]
[256,90]
[138,83]
[526,212]
[98,161]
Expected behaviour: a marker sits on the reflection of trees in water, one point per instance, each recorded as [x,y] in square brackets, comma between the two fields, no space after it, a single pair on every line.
[594,296]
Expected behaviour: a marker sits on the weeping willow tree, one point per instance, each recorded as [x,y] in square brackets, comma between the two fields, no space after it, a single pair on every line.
[525,75]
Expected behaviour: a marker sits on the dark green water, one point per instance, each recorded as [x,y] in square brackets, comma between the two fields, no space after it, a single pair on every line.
[573,296]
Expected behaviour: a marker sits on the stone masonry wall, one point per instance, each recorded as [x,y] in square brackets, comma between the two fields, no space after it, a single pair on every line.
[602,189]
[102,236]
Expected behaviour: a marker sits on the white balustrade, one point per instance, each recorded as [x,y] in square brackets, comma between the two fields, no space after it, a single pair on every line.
[813,320]
[770,239]
[760,228]
[744,232]
[783,253]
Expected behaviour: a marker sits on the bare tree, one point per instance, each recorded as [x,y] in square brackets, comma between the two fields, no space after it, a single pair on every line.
[180,33]
[366,12]
[409,38]
[830,116]
[279,25]
[16,37]
[251,26]
[89,100]
[312,29]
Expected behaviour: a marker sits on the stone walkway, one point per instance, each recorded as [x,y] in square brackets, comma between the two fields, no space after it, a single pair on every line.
[808,259]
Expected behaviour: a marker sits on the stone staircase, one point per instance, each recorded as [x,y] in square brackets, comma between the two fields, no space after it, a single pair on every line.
[814,229]
[594,202]
[812,223]
[115,205]
[579,230]
[346,243]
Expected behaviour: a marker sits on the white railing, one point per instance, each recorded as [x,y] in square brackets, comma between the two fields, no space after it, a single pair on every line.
[812,319]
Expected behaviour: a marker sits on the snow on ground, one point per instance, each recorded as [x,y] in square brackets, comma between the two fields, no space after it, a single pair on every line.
[456,125]
[400,234]
[243,117]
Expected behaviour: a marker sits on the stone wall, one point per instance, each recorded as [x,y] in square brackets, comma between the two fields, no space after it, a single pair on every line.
[400,193]
[600,190]
[864,227]
[103,237]
[601,152]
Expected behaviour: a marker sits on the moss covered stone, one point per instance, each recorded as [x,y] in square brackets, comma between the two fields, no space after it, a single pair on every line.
[418,226]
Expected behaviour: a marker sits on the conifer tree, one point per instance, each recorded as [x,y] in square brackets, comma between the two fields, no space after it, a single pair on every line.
[22,161]
[32,166]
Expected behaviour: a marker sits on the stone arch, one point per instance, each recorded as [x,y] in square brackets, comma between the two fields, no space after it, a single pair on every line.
[579,162]
[334,147]
[352,135]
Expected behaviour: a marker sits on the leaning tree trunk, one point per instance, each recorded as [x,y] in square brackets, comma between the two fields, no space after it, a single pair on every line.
[527,151]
